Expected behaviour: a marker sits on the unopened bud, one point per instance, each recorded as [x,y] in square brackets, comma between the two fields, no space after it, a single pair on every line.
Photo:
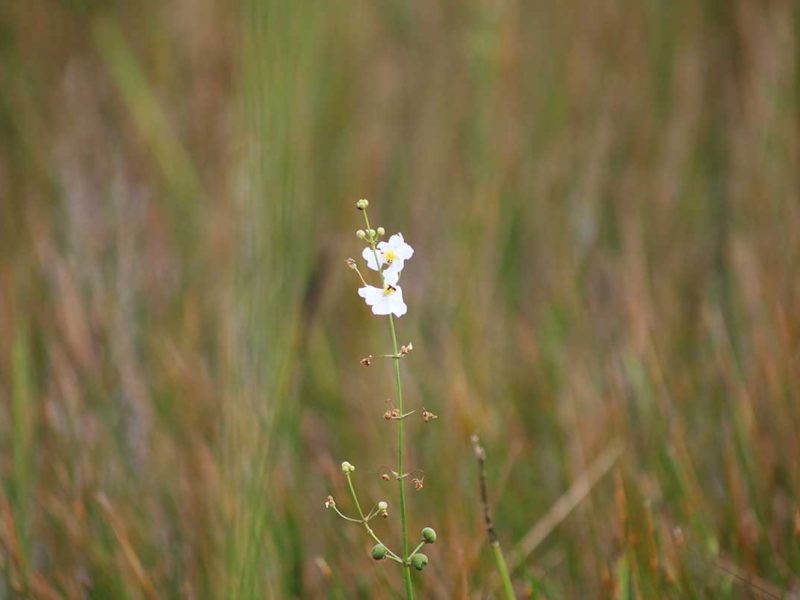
[419,561]
[379,552]
[381,231]
[329,502]
[371,234]
[347,467]
[429,535]
[362,204]
[361,234]
[383,505]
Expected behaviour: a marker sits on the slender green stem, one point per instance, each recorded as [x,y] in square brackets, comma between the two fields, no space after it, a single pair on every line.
[355,497]
[415,550]
[502,569]
[400,480]
[345,517]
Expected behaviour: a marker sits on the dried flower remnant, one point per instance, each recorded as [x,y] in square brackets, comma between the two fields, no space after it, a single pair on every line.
[428,415]
[391,411]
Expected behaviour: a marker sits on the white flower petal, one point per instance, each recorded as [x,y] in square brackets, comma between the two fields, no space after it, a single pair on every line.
[391,276]
[399,247]
[399,307]
[405,252]
[382,307]
[393,272]
[370,294]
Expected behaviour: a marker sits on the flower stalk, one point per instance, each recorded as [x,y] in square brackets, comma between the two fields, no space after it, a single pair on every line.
[409,589]
[388,259]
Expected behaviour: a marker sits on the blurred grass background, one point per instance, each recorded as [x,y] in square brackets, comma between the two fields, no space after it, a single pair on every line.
[603,198]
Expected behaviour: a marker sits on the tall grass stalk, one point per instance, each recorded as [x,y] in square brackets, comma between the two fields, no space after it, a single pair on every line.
[502,570]
[494,542]
[22,416]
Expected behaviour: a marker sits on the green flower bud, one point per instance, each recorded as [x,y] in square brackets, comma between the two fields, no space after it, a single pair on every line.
[362,204]
[379,552]
[371,234]
[347,467]
[361,234]
[428,535]
[381,231]
[419,561]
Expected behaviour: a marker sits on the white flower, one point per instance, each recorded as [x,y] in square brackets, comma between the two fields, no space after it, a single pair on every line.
[391,257]
[388,300]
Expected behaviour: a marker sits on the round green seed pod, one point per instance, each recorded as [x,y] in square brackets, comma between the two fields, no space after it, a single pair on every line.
[419,561]
[379,552]
[428,535]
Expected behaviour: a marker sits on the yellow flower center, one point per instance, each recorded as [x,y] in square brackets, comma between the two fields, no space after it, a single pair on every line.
[389,256]
[388,290]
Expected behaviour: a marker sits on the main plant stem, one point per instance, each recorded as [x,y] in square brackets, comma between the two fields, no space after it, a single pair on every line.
[400,471]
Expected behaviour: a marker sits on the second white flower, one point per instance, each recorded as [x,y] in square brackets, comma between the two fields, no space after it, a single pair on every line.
[388,300]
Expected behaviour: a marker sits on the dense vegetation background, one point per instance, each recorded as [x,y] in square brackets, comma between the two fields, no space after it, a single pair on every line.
[603,198]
